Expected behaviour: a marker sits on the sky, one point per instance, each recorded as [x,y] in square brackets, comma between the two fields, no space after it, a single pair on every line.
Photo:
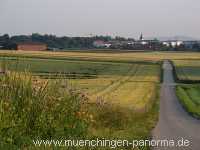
[126,18]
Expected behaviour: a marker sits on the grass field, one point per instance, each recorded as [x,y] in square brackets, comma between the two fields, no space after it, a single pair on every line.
[189,96]
[67,67]
[188,69]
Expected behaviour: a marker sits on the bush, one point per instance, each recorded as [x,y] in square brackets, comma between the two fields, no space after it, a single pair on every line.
[31,109]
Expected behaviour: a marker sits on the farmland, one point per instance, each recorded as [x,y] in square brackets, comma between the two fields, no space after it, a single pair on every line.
[188,70]
[114,55]
[104,80]
[120,89]
[122,93]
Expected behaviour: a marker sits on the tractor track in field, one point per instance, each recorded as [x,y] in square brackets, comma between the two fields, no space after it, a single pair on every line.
[133,70]
[174,122]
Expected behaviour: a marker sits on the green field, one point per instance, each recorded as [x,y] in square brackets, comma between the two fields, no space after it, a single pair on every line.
[188,69]
[65,67]
[189,96]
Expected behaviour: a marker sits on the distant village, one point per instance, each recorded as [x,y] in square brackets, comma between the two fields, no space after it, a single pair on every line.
[144,44]
[37,42]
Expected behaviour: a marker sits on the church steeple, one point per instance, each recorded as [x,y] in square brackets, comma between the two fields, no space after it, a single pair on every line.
[141,37]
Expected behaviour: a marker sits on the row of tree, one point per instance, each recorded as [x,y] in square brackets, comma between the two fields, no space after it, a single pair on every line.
[55,42]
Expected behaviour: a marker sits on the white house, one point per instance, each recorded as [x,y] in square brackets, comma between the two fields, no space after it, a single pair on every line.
[172,43]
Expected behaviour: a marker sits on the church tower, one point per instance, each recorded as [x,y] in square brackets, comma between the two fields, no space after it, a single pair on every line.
[141,37]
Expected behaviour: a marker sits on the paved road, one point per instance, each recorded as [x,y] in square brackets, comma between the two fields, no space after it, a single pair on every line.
[174,123]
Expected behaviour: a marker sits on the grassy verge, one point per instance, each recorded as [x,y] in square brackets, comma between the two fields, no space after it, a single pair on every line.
[32,109]
[189,96]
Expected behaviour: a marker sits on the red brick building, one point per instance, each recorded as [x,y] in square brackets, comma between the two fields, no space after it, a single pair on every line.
[31,46]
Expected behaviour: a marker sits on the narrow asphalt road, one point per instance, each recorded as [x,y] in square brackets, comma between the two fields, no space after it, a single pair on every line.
[174,122]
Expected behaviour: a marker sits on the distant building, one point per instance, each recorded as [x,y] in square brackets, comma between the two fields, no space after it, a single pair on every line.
[166,43]
[31,46]
[172,43]
[101,44]
[98,43]
[140,44]
[146,44]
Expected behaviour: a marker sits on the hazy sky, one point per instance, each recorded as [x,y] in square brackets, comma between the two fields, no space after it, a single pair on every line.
[103,17]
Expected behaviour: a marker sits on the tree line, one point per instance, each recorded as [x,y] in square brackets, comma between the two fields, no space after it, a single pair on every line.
[55,42]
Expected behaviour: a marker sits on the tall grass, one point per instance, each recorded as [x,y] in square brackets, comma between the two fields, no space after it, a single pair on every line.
[32,109]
